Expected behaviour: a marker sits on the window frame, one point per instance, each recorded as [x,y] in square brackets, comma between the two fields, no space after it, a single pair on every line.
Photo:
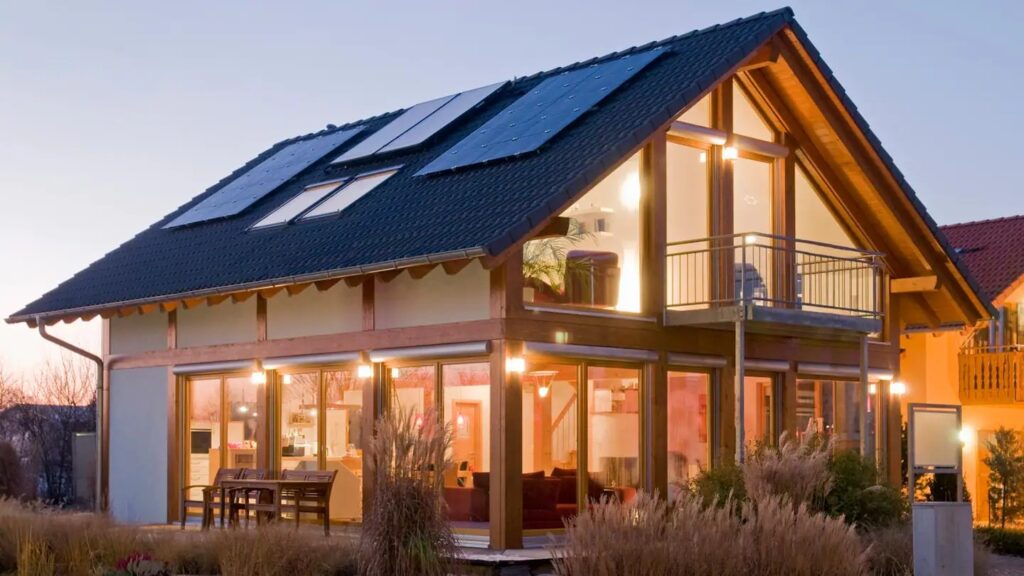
[307,216]
[341,183]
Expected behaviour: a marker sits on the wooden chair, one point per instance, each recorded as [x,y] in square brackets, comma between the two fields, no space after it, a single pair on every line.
[240,498]
[214,497]
[315,500]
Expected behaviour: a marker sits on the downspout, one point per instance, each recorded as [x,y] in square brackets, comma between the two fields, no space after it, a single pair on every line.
[100,504]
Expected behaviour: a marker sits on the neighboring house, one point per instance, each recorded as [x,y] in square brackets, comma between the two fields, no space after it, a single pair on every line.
[622,270]
[980,366]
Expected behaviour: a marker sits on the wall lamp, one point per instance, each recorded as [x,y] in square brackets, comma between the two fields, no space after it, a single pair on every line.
[515,365]
[364,371]
[258,376]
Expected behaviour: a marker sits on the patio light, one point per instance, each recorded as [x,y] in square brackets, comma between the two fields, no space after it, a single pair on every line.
[258,376]
[897,388]
[730,153]
[364,371]
[516,364]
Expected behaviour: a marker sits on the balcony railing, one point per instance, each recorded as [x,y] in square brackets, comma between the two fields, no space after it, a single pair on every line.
[773,271]
[991,375]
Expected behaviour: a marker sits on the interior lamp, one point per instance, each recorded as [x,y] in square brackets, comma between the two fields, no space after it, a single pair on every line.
[544,378]
[629,195]
[286,379]
[897,388]
[872,388]
[364,371]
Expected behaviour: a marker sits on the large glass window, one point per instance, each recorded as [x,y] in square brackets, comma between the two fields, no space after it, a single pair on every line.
[746,119]
[689,445]
[243,421]
[758,410]
[687,221]
[830,408]
[466,401]
[204,433]
[590,256]
[752,215]
[613,430]
[699,113]
[413,388]
[814,219]
[550,444]
[321,429]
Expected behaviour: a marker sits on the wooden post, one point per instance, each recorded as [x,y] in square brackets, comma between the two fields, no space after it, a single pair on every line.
[655,431]
[721,197]
[787,418]
[506,490]
[862,394]
[739,365]
[653,223]
[725,450]
[372,412]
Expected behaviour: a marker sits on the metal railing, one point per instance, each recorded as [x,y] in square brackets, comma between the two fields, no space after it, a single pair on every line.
[774,271]
[991,375]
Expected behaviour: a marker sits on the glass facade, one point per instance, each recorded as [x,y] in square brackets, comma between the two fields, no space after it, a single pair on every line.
[591,258]
[759,420]
[689,428]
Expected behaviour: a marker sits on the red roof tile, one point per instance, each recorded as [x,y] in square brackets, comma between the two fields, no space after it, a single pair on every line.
[993,251]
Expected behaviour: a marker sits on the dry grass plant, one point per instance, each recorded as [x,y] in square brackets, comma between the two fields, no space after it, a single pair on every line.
[406,530]
[797,469]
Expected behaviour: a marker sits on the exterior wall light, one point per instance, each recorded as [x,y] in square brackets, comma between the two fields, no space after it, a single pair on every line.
[730,153]
[966,436]
[897,388]
[872,388]
[364,371]
[258,376]
[516,365]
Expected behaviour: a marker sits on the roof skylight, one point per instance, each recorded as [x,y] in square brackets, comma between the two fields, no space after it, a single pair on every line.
[352,191]
[300,203]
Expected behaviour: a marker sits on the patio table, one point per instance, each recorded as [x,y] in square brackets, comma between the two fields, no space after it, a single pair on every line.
[273,491]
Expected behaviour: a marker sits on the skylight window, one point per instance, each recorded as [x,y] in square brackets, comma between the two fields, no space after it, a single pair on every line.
[300,203]
[349,193]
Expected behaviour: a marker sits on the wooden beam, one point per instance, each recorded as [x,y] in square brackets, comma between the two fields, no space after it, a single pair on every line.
[353,281]
[172,329]
[418,272]
[294,289]
[261,318]
[369,317]
[914,284]
[389,275]
[105,314]
[653,217]
[506,490]
[324,285]
[168,306]
[269,292]
[766,55]
[122,312]
[453,267]
[147,308]
[192,303]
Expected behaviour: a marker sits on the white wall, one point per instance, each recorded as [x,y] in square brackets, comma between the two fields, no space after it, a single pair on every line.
[313,312]
[138,333]
[138,444]
[437,298]
[224,323]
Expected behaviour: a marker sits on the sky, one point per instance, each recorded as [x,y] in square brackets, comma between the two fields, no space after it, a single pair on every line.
[112,114]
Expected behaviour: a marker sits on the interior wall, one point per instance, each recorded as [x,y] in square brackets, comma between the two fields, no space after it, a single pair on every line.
[437,298]
[138,445]
[225,323]
[138,333]
[479,394]
[312,312]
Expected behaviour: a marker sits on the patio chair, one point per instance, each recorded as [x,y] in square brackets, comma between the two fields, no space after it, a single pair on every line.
[240,498]
[315,500]
[213,497]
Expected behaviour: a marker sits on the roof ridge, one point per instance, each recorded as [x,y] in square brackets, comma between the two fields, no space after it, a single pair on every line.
[983,221]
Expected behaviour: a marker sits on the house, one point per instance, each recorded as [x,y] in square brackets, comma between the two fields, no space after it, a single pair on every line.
[605,277]
[980,366]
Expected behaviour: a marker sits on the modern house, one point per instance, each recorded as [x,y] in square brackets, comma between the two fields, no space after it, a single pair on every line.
[605,277]
[980,366]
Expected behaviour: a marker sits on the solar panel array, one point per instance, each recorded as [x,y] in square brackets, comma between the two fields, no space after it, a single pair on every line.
[264,178]
[539,115]
[418,123]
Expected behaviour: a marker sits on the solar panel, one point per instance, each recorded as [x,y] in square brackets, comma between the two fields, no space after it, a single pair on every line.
[418,123]
[379,139]
[264,178]
[536,117]
[444,116]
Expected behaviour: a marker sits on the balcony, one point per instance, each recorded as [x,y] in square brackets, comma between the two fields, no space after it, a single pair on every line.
[774,284]
[991,375]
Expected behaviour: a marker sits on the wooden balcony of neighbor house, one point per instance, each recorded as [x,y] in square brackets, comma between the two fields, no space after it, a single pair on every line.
[775,284]
[991,375]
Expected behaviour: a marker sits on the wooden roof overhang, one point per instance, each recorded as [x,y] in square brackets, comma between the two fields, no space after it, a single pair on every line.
[451,263]
[850,166]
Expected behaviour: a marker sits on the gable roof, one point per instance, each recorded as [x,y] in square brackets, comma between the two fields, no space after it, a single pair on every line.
[409,220]
[993,251]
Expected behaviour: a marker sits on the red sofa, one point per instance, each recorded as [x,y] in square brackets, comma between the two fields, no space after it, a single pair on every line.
[547,500]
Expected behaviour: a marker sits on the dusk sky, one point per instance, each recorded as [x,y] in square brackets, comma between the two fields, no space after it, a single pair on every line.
[114,114]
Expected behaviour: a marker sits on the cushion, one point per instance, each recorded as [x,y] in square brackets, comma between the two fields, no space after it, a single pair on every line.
[557,472]
[482,480]
[534,475]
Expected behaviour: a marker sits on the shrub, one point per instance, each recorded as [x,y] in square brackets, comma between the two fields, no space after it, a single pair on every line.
[1007,541]
[1006,476]
[856,495]
[406,530]
[12,481]
[719,485]
[35,558]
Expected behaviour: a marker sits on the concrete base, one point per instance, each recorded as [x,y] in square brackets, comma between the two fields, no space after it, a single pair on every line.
[943,539]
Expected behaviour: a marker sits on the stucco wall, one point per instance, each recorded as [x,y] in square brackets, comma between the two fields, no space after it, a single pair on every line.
[224,323]
[437,298]
[312,312]
[138,445]
[138,333]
